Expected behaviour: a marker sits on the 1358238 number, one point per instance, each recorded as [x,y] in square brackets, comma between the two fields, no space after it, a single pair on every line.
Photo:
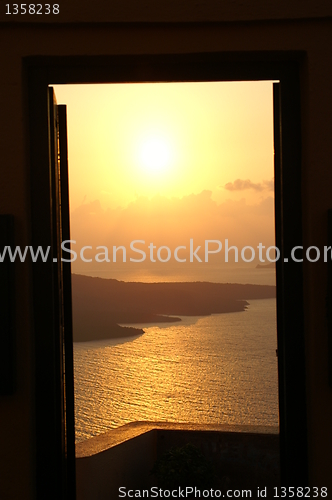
[32,8]
[300,492]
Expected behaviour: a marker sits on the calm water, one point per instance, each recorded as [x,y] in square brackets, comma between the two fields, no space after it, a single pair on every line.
[215,369]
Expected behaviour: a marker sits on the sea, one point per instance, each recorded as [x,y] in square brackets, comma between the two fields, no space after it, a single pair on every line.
[209,370]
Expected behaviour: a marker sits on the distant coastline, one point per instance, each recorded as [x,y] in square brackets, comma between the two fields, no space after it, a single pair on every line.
[270,265]
[101,305]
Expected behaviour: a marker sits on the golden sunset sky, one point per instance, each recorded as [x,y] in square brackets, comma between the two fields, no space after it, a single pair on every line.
[170,161]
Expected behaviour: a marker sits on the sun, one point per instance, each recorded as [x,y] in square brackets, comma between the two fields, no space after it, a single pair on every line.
[155,154]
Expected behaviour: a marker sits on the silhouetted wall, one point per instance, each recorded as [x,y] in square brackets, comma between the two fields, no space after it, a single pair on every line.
[240,460]
[90,28]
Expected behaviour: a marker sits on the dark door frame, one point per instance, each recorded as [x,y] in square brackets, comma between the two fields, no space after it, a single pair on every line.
[284,67]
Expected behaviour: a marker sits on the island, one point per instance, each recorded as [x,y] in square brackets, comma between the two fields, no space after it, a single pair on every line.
[270,265]
[102,306]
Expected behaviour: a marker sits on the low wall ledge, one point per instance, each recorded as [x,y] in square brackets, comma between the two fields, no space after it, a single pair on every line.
[114,437]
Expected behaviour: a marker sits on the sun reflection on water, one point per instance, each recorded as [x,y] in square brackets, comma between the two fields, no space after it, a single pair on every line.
[215,369]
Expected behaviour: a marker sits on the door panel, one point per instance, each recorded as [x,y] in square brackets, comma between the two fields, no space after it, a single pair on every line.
[63,349]
[290,327]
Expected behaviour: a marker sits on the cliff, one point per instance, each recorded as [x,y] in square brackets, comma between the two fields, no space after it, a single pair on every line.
[101,305]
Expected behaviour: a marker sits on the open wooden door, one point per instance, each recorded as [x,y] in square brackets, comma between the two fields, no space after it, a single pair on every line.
[290,325]
[63,339]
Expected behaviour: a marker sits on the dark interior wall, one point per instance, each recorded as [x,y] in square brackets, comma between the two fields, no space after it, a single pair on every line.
[317,199]
[311,38]
[77,11]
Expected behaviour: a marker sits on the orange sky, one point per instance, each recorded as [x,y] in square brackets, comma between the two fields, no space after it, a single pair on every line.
[170,161]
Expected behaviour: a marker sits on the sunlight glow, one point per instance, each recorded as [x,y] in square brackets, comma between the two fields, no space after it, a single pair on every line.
[172,140]
[155,154]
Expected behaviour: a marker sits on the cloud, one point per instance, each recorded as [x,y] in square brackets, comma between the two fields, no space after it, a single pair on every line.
[242,185]
[175,221]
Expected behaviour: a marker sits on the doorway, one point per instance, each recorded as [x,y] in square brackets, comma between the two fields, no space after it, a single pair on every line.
[289,279]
